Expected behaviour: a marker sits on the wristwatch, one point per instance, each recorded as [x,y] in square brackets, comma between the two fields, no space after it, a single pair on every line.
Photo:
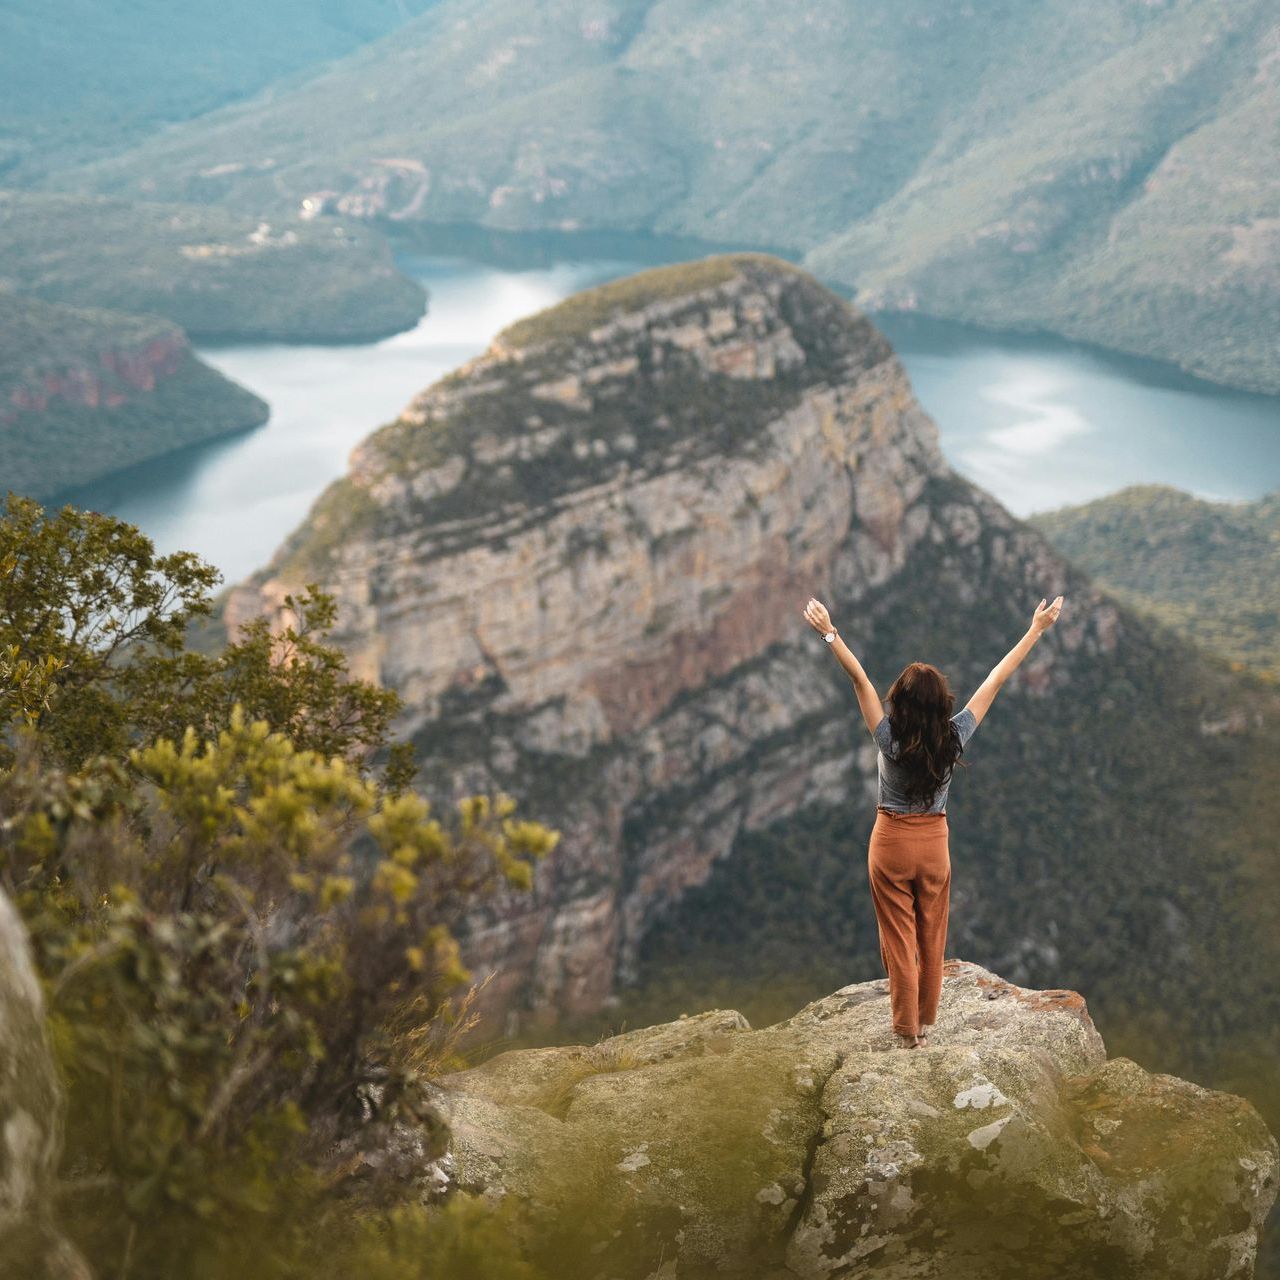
[830,636]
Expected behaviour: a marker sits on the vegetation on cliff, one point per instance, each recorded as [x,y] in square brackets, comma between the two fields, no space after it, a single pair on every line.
[575,317]
[242,917]
[1208,570]
[811,1147]
[1113,832]
[1116,838]
[86,392]
[548,410]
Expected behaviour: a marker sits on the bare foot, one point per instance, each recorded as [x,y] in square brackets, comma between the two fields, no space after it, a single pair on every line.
[922,1040]
[907,1042]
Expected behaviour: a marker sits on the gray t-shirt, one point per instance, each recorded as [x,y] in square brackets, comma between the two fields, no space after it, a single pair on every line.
[893,778]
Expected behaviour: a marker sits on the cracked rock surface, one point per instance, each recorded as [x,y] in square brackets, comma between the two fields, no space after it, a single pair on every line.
[814,1148]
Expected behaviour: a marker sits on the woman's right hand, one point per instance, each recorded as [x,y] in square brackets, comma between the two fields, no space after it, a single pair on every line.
[1046,615]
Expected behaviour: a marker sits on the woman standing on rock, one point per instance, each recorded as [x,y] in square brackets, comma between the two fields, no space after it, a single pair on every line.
[909,860]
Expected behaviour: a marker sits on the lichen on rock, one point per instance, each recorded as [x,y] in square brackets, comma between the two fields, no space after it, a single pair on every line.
[1012,1146]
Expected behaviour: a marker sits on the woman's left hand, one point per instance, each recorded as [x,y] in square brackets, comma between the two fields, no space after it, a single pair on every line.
[819,619]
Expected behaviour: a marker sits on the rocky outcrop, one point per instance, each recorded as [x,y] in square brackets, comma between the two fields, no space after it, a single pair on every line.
[1012,1146]
[30,1121]
[84,393]
[581,559]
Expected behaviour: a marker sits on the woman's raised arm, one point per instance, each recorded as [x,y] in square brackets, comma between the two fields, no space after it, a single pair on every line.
[819,619]
[1045,616]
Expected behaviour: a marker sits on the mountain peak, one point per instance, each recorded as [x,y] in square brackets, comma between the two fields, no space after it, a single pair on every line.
[581,563]
[652,374]
[576,317]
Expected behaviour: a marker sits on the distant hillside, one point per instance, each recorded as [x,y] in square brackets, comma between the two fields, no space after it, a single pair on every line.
[216,273]
[1210,570]
[77,77]
[83,393]
[1104,169]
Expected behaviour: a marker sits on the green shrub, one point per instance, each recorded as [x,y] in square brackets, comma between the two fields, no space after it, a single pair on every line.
[246,935]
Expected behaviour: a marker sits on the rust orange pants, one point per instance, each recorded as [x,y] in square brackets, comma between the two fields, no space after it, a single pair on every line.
[909,864]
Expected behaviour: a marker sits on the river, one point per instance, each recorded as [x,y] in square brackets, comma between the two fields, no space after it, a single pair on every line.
[1038,422]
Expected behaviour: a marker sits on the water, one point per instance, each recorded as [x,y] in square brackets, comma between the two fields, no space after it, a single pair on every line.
[1037,422]
[1040,422]
[234,501]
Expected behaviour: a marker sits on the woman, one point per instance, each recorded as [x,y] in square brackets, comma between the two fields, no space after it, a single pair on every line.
[909,860]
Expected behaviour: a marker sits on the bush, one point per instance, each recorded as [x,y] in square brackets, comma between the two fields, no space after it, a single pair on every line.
[245,935]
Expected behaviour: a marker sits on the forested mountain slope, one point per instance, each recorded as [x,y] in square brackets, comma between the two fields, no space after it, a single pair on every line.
[77,77]
[1103,169]
[1210,570]
[85,392]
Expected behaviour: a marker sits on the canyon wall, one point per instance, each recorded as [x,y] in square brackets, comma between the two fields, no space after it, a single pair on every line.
[582,559]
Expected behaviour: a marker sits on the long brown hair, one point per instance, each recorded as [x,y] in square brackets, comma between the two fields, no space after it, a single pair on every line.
[920,704]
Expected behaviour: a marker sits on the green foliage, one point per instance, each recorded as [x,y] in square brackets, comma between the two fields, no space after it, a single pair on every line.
[24,685]
[1208,570]
[88,592]
[469,1239]
[217,273]
[247,939]
[223,948]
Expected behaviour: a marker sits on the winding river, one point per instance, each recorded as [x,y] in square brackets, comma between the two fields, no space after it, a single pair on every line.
[1036,421]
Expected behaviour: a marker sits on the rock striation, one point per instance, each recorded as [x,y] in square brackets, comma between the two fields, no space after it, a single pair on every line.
[1012,1146]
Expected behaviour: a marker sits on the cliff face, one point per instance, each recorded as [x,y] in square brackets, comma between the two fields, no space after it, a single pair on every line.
[85,392]
[1012,1146]
[107,382]
[582,558]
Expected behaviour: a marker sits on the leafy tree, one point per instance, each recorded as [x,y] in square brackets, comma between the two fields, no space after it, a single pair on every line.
[247,936]
[87,595]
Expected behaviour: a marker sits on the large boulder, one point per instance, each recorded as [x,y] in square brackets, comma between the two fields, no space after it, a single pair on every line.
[815,1148]
[30,1121]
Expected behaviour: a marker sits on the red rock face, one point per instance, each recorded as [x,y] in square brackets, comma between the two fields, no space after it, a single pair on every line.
[756,614]
[583,565]
[118,376]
